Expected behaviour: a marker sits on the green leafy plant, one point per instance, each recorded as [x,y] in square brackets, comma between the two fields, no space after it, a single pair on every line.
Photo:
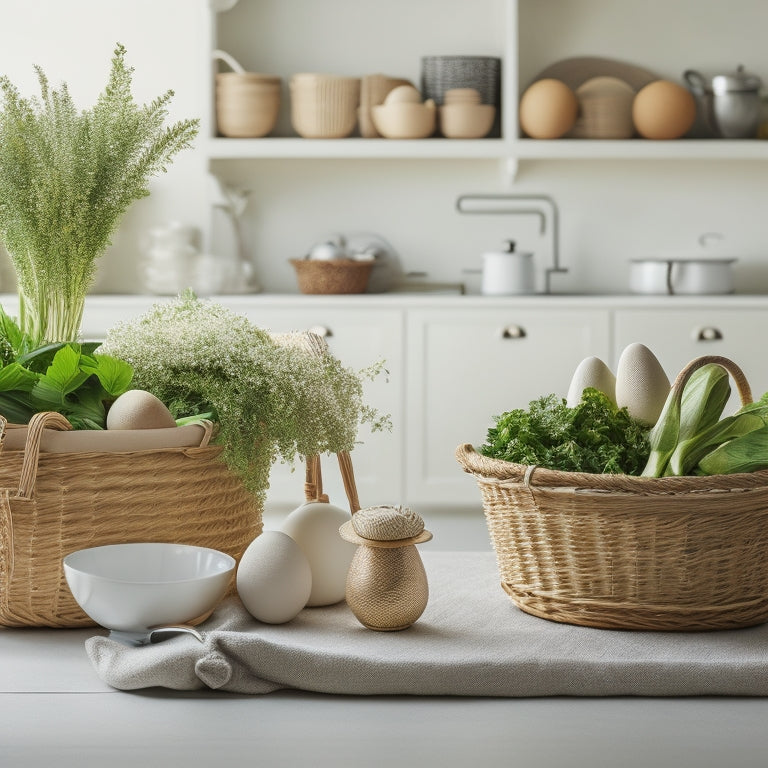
[68,378]
[594,436]
[271,396]
[66,179]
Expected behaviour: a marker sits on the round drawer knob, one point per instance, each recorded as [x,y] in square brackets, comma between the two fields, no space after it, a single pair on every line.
[322,331]
[513,332]
[708,333]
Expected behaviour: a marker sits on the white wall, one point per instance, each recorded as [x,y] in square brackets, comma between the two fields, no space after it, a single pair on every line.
[610,211]
[73,41]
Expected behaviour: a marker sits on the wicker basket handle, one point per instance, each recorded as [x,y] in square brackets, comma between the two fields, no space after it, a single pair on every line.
[742,385]
[313,484]
[39,422]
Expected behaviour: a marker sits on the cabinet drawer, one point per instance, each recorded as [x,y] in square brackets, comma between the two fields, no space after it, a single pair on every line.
[677,336]
[466,368]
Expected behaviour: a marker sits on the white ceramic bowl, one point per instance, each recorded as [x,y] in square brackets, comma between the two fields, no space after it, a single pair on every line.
[133,588]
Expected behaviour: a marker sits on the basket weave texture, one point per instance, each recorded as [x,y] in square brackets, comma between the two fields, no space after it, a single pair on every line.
[625,552]
[52,504]
[332,276]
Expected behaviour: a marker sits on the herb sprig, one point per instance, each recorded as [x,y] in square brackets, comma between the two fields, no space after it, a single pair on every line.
[66,179]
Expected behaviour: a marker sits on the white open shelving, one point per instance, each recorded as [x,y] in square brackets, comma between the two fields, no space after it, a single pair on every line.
[509,33]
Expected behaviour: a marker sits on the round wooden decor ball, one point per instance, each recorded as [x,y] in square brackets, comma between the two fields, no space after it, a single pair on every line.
[663,110]
[548,109]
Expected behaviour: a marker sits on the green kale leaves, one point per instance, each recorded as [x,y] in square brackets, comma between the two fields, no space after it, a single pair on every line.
[595,436]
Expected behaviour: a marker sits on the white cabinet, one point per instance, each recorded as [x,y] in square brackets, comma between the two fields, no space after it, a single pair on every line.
[464,368]
[678,335]
[359,338]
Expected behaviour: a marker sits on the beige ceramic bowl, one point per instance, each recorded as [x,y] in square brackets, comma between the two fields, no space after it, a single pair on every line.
[466,121]
[324,106]
[247,104]
[405,120]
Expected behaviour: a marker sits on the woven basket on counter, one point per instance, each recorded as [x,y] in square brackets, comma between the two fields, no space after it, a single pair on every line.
[52,504]
[626,552]
[332,275]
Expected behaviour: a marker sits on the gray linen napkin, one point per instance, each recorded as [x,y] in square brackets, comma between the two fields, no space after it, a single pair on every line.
[470,641]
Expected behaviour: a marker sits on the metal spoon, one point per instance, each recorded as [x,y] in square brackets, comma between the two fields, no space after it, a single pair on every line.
[151,636]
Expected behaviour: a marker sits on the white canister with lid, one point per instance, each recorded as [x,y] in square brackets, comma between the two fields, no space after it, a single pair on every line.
[508,272]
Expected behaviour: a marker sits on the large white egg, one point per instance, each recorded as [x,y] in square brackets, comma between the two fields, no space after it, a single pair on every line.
[642,385]
[591,372]
[274,579]
[314,526]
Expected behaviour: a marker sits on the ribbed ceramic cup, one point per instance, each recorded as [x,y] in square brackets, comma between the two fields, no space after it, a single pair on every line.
[324,106]
[247,104]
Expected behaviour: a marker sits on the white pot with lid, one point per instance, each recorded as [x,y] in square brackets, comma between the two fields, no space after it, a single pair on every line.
[508,272]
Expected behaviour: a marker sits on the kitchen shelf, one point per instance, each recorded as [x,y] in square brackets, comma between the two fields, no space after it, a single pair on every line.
[510,150]
[285,148]
[683,149]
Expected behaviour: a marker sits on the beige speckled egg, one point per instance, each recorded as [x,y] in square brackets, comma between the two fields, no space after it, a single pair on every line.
[642,385]
[138,409]
[548,109]
[663,110]
[591,372]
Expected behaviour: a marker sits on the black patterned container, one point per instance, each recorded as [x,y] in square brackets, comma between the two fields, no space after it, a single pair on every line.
[483,73]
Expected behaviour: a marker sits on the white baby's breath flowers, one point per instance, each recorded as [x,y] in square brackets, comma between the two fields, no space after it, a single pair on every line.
[273,396]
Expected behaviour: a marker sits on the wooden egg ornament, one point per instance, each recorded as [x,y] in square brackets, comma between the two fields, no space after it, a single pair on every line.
[138,409]
[663,110]
[387,586]
[314,526]
[642,386]
[273,578]
[548,109]
[591,372]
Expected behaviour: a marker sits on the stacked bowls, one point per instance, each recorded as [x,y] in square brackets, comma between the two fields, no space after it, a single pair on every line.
[247,104]
[464,116]
[324,106]
[403,115]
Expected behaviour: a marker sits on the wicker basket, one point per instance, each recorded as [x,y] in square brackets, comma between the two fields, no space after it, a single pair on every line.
[332,275]
[52,504]
[624,552]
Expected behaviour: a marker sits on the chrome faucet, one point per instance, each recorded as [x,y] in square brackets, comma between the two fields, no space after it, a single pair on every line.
[485,204]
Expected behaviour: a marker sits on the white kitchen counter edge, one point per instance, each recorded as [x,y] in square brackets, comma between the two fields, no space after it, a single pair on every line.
[418,300]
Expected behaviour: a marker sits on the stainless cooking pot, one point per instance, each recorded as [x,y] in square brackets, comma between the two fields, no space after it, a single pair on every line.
[694,276]
[730,103]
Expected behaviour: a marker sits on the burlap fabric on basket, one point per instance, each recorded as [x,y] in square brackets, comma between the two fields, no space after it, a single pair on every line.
[52,504]
[624,552]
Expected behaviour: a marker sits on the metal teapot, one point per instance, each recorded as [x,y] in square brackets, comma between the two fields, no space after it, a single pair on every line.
[730,103]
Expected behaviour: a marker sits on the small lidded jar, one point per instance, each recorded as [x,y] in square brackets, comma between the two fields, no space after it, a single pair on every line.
[386,584]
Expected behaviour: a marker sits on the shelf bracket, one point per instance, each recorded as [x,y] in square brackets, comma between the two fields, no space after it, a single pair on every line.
[510,167]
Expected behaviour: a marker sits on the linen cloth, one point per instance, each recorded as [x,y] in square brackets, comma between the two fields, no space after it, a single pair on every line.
[470,641]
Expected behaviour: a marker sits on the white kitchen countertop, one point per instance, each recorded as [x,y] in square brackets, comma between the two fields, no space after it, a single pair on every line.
[54,710]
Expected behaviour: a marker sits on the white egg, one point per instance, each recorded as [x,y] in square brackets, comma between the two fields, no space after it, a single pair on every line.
[314,526]
[591,372]
[138,409]
[642,385]
[273,578]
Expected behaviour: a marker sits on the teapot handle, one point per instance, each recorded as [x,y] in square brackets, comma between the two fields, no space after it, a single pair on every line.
[695,80]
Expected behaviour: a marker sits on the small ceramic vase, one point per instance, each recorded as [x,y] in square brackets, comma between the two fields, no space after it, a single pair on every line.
[386,583]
